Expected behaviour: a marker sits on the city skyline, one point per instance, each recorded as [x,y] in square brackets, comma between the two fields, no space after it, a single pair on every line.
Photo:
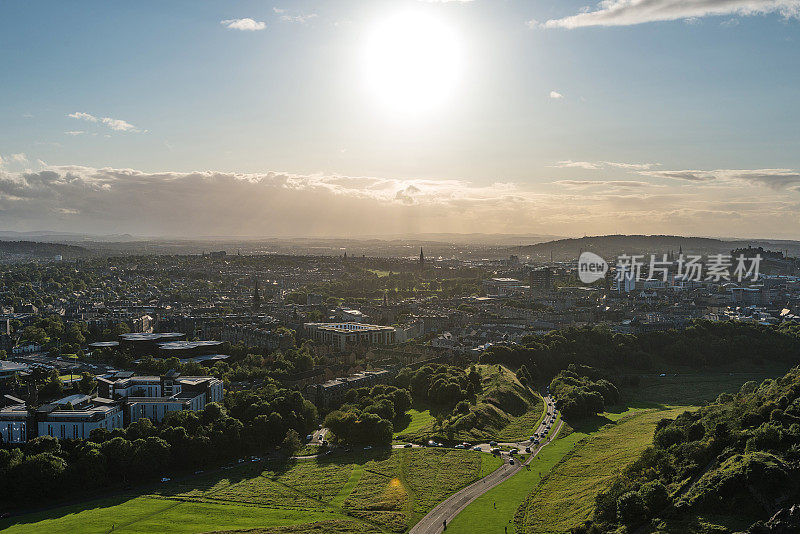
[320,119]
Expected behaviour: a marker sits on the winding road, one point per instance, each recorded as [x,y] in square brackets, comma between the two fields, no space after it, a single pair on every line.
[447,510]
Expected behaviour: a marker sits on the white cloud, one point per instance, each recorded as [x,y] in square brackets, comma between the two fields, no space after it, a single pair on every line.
[246,24]
[300,19]
[83,116]
[624,184]
[19,158]
[629,12]
[595,165]
[555,95]
[118,125]
[285,16]
[74,132]
[772,178]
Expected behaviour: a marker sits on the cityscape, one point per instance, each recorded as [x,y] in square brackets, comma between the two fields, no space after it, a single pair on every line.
[400,266]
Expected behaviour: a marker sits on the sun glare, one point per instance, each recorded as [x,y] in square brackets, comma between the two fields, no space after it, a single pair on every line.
[412,63]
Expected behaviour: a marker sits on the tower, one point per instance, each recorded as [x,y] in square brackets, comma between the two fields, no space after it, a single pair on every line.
[421,258]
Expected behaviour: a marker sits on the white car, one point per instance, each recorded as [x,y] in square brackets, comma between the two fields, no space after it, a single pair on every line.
[165,479]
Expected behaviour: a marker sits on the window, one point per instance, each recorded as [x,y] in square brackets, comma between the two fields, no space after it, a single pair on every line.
[63,431]
[75,431]
[49,430]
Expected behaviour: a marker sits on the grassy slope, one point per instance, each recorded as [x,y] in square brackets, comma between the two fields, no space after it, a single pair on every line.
[565,498]
[416,420]
[692,388]
[391,488]
[505,409]
[147,514]
[397,490]
[495,509]
[322,527]
[489,464]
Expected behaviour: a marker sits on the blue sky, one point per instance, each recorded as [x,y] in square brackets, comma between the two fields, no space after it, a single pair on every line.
[564,119]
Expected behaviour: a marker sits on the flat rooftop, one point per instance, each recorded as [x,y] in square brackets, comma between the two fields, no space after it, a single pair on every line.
[12,367]
[188,345]
[350,327]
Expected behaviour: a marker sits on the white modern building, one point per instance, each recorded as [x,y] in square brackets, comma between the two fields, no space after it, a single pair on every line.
[75,416]
[14,423]
[155,396]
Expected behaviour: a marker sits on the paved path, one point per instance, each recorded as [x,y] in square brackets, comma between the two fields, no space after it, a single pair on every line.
[433,522]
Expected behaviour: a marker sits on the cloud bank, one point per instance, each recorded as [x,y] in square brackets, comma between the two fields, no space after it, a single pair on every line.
[630,12]
[108,200]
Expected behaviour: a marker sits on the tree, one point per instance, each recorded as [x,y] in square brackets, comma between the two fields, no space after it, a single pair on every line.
[53,387]
[87,383]
[630,508]
[655,496]
[35,335]
[291,442]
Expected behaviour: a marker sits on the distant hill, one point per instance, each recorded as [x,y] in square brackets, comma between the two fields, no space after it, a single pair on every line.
[24,250]
[610,246]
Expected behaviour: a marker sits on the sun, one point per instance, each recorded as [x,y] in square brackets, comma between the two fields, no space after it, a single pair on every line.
[412,63]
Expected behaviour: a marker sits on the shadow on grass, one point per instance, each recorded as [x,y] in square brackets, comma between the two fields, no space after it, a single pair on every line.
[587,425]
[636,405]
[191,488]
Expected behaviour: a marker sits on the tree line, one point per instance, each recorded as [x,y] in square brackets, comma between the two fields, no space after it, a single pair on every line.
[249,422]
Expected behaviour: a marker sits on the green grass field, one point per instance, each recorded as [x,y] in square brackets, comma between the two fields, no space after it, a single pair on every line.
[489,464]
[691,388]
[495,509]
[414,421]
[387,490]
[321,527]
[148,514]
[565,497]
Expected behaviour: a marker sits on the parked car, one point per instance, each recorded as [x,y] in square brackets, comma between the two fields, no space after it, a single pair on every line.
[527,449]
[477,448]
[165,479]
[408,445]
[511,461]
